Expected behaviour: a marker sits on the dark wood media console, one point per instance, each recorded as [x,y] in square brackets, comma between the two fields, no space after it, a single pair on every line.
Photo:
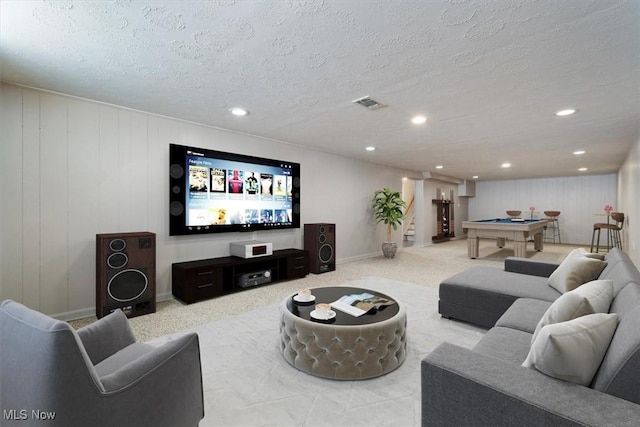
[194,281]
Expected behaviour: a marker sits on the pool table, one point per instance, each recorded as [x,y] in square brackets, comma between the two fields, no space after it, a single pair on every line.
[518,230]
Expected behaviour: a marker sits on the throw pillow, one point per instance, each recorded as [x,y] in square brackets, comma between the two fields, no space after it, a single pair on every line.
[574,271]
[573,350]
[583,252]
[592,297]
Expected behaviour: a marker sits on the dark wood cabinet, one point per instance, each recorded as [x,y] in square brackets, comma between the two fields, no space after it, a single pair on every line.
[444,221]
[194,281]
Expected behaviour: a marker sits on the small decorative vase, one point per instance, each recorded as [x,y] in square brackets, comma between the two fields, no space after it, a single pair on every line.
[389,249]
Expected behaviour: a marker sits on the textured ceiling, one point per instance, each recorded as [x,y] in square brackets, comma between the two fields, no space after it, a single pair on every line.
[489,75]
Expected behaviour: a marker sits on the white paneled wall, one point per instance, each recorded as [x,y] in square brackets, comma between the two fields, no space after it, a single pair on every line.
[73,168]
[629,201]
[578,198]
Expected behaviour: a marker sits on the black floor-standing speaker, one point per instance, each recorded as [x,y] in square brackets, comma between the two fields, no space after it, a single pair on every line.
[320,242]
[126,273]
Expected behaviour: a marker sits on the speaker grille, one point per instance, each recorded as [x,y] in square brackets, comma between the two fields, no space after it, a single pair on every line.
[127,285]
[117,260]
[176,171]
[176,208]
[325,254]
[117,245]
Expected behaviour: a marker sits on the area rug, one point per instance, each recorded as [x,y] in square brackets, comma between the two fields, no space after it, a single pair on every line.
[247,382]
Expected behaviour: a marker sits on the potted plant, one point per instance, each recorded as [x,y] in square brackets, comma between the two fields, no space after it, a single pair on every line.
[388,208]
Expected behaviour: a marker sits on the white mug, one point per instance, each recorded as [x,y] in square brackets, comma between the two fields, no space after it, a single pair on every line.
[304,294]
[323,310]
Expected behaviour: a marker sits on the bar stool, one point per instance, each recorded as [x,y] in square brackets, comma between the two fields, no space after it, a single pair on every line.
[553,225]
[613,231]
[514,214]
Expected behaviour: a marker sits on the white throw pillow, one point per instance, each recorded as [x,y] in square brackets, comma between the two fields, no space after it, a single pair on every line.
[574,271]
[592,297]
[584,252]
[573,350]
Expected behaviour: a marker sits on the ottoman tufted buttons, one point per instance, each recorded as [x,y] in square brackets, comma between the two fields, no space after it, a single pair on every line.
[343,351]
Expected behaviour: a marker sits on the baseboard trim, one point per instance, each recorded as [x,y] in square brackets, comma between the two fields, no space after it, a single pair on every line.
[91,311]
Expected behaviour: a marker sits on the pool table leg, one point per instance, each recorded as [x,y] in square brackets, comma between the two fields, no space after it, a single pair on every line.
[538,241]
[473,246]
[520,245]
[520,249]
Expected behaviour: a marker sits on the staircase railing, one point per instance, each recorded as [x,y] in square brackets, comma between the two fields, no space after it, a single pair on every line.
[409,216]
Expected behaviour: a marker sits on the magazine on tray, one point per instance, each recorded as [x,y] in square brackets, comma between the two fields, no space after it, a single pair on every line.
[359,304]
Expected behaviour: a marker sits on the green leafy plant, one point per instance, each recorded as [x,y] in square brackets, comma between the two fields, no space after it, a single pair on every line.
[388,208]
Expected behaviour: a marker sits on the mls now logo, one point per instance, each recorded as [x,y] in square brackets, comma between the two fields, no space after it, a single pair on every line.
[23,414]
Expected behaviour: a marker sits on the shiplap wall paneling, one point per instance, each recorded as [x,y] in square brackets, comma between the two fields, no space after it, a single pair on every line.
[109,191]
[629,202]
[12,195]
[132,171]
[54,202]
[73,168]
[30,185]
[162,132]
[83,202]
[578,198]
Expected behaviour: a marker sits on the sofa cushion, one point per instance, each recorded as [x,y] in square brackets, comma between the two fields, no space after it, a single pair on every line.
[590,298]
[123,357]
[510,345]
[524,314]
[574,271]
[481,294]
[620,269]
[573,350]
[619,374]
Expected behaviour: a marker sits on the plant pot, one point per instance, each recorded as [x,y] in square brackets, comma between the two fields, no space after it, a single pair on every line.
[389,249]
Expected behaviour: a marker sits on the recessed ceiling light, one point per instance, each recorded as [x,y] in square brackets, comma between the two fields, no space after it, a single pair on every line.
[579,152]
[370,148]
[439,167]
[418,120]
[505,165]
[567,112]
[236,111]
[475,177]
[582,169]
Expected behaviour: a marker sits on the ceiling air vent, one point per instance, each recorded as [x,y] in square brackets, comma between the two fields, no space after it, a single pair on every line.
[369,102]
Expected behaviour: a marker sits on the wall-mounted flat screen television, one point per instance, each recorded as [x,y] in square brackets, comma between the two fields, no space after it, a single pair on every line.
[212,191]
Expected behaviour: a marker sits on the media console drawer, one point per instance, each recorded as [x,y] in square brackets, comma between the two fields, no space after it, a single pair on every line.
[298,265]
[194,281]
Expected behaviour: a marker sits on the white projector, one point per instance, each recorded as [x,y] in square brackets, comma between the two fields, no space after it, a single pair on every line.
[250,249]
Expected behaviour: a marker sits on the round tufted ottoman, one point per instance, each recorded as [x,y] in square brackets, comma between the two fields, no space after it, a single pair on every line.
[347,347]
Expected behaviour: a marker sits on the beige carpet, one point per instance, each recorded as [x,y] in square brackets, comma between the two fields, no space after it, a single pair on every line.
[423,266]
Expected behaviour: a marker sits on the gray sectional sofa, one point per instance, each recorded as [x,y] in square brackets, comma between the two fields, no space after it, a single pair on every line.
[488,385]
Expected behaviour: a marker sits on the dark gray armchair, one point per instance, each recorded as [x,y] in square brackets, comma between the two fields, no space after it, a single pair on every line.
[97,376]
